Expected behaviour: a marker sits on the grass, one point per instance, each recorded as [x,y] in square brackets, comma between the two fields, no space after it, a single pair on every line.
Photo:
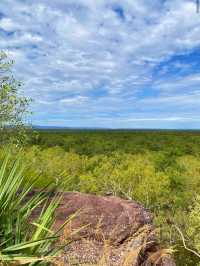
[138,249]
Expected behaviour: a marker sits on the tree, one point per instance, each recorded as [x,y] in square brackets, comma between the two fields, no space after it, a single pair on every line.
[13,106]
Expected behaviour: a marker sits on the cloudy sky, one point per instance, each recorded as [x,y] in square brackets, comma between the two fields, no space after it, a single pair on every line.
[106,63]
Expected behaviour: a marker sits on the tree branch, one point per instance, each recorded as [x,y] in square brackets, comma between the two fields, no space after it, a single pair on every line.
[184,243]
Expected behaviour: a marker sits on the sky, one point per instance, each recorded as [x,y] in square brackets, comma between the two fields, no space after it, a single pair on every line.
[106,63]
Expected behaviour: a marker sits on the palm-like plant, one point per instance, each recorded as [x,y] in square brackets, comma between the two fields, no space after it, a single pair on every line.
[22,240]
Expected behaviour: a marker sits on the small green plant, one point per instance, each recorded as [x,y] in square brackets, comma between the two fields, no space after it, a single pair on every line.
[24,240]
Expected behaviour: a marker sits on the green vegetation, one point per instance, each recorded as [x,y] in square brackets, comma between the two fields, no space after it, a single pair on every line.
[13,106]
[24,240]
[159,169]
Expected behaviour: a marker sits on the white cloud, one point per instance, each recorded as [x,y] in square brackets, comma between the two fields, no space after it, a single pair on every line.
[74,100]
[7,24]
[107,57]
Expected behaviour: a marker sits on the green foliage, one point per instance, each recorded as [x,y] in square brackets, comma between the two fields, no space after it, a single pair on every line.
[159,169]
[13,107]
[193,229]
[24,240]
[172,144]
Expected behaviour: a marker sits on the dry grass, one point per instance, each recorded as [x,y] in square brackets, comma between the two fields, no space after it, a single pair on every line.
[103,253]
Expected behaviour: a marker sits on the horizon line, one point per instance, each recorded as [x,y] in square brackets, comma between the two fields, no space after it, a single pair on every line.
[110,128]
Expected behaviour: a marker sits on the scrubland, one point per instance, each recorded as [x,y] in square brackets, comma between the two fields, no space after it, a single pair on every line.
[159,169]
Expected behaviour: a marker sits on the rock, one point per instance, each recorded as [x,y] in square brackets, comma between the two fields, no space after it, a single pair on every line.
[114,231]
[113,218]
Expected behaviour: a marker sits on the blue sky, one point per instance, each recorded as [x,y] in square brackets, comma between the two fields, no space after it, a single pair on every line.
[106,63]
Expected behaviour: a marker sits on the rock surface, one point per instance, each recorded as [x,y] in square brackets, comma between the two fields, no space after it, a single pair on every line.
[116,219]
[114,231]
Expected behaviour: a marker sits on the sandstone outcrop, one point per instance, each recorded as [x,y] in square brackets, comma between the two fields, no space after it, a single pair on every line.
[113,231]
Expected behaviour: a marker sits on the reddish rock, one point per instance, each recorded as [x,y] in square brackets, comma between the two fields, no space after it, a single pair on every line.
[114,232]
[121,229]
[111,217]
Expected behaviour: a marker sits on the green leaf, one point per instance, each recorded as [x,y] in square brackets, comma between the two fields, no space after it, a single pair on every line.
[28,244]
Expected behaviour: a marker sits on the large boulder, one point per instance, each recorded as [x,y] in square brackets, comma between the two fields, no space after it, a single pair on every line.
[112,230]
[116,219]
